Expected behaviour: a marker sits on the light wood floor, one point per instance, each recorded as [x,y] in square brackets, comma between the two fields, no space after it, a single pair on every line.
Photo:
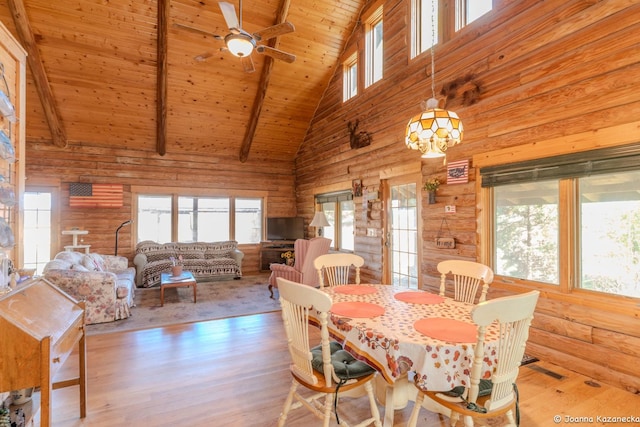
[234,372]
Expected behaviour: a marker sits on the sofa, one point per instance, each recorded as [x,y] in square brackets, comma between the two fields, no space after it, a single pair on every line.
[105,283]
[206,260]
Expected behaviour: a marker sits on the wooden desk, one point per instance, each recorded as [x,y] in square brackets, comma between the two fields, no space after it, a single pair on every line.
[40,325]
[186,279]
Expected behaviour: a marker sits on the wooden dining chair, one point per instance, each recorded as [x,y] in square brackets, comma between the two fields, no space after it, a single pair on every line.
[467,277]
[336,268]
[493,392]
[326,369]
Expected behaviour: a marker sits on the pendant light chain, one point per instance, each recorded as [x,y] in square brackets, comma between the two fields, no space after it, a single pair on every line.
[433,42]
[434,130]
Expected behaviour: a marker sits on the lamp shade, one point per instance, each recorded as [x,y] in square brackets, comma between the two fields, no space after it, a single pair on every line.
[319,220]
[239,44]
[433,131]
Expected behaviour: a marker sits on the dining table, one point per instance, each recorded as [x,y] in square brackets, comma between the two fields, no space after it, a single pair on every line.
[402,332]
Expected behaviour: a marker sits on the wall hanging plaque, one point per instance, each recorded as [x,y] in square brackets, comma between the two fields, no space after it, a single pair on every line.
[445,242]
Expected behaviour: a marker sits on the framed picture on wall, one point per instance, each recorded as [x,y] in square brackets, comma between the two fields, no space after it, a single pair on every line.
[356,187]
[458,172]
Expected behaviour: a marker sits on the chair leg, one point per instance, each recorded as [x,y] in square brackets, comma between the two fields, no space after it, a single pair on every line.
[328,405]
[271,291]
[375,413]
[287,404]
[413,421]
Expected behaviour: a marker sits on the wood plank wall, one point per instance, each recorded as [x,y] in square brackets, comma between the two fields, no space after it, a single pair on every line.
[83,162]
[546,71]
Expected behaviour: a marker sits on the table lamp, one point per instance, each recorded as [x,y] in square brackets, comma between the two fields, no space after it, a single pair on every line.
[319,220]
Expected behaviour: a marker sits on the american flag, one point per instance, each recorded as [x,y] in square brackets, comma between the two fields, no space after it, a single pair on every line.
[458,172]
[85,195]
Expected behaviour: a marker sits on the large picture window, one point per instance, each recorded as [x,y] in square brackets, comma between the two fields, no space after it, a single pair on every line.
[570,220]
[166,218]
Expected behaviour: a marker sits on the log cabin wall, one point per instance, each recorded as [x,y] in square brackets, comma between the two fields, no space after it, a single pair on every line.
[546,73]
[84,162]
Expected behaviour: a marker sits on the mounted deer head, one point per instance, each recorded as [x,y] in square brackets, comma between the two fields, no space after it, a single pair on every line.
[360,139]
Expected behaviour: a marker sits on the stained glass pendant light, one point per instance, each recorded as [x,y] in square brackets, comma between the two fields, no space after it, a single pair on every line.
[434,130]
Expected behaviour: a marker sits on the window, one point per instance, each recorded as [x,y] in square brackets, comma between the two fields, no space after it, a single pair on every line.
[374,48]
[350,77]
[526,231]
[197,215]
[199,218]
[340,212]
[38,217]
[154,218]
[424,25]
[430,22]
[470,10]
[585,205]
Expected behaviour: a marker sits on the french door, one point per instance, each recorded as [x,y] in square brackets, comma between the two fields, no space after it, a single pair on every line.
[402,233]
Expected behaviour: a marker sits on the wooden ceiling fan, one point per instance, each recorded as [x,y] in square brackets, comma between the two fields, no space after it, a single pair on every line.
[241,43]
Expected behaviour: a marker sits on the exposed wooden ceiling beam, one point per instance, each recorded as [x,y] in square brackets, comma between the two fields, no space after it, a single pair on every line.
[54,120]
[262,88]
[161,90]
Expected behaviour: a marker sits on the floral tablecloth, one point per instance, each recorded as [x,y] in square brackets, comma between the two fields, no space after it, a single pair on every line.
[391,343]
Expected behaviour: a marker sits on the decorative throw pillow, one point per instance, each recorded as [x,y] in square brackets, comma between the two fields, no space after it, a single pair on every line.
[160,255]
[70,256]
[220,249]
[78,267]
[57,264]
[192,254]
[93,262]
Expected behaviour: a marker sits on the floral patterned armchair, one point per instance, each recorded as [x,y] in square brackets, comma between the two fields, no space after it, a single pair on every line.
[104,282]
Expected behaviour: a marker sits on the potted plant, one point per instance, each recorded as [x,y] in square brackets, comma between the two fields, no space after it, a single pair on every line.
[431,185]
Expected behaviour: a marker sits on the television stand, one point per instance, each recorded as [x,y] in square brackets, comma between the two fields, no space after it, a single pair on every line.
[271,251]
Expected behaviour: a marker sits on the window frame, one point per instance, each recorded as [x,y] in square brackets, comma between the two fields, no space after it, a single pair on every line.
[370,69]
[336,199]
[176,192]
[620,135]
[451,17]
[350,88]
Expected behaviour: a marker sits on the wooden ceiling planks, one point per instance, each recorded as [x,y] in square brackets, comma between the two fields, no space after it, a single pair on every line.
[101,62]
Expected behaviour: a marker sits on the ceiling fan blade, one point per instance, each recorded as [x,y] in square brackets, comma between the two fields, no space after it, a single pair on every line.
[276,53]
[229,13]
[247,64]
[197,30]
[274,31]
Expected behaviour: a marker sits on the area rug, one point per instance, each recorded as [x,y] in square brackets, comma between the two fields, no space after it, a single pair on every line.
[215,300]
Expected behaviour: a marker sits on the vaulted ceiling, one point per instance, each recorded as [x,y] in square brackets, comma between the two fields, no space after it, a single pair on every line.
[135,73]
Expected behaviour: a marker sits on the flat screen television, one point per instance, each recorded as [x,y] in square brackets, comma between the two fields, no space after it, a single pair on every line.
[285,228]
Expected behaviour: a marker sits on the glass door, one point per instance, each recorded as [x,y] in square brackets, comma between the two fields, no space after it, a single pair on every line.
[402,234]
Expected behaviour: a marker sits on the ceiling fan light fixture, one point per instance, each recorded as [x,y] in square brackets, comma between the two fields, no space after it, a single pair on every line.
[240,45]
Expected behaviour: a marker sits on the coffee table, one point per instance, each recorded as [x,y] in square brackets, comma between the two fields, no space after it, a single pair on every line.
[185,280]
